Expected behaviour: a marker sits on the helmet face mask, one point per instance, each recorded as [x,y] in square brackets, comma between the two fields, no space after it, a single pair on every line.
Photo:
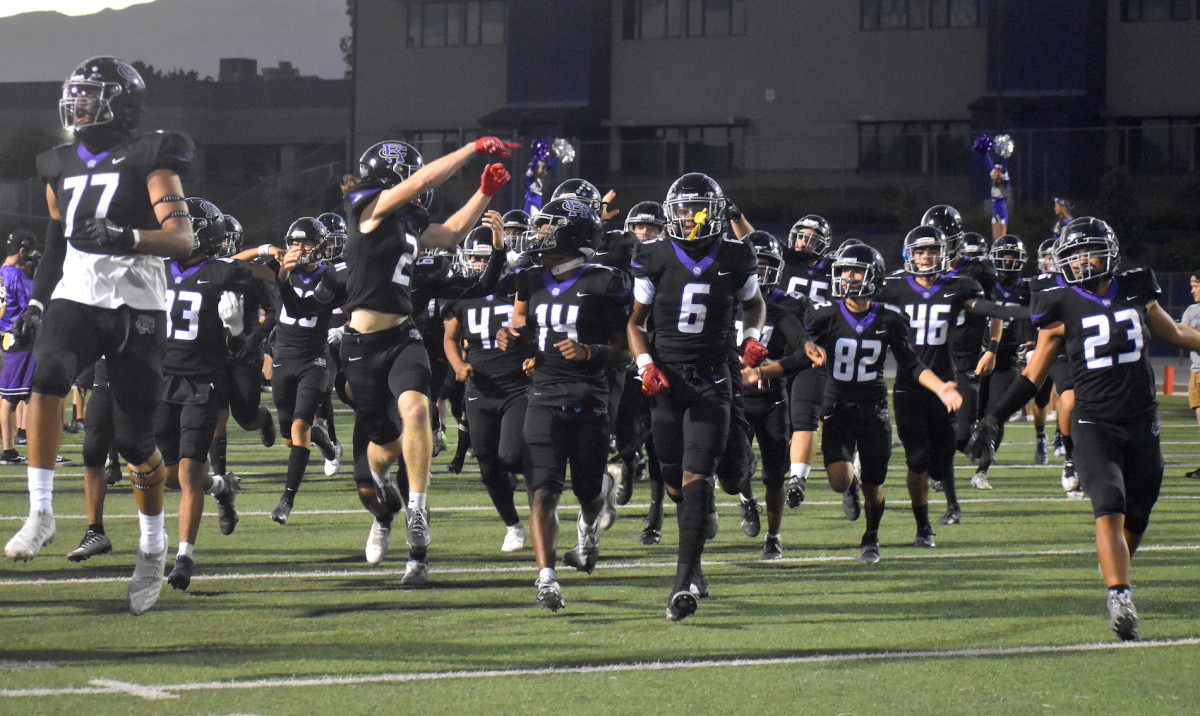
[1008,255]
[857,272]
[646,220]
[1087,252]
[770,257]
[810,237]
[309,234]
[476,251]
[233,236]
[1046,257]
[337,235]
[925,251]
[102,92]
[695,208]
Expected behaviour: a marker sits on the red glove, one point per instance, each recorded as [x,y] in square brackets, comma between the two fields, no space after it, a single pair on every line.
[753,353]
[653,380]
[494,176]
[493,147]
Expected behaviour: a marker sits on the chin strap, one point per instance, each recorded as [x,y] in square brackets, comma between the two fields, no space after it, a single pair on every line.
[569,266]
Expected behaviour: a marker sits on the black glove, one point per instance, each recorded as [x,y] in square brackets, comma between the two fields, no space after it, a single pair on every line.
[101,236]
[983,439]
[26,327]
[733,213]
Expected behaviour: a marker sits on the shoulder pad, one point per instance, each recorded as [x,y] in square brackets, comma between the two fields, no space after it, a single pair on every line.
[171,150]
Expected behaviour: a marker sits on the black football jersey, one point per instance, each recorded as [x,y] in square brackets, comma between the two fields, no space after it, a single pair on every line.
[615,249]
[932,313]
[970,331]
[856,347]
[195,334]
[693,297]
[1019,331]
[589,305]
[783,334]
[1106,342]
[480,319]
[111,184]
[809,280]
[304,326]
[379,264]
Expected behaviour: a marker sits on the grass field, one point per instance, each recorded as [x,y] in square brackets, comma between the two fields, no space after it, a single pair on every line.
[1006,615]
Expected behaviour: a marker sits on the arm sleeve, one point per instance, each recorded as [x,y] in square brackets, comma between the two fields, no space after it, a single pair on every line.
[49,271]
[991,309]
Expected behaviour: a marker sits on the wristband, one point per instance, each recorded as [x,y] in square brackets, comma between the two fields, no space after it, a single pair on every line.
[644,360]
[264,250]
[33,302]
[993,346]
[752,332]
[137,237]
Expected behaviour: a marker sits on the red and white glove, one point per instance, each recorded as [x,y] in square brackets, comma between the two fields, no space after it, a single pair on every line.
[493,147]
[654,381]
[494,176]
[753,352]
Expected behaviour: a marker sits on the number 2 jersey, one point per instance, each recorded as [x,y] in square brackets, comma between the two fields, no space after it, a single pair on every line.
[195,334]
[1105,343]
[379,273]
[693,298]
[856,346]
[112,184]
[590,306]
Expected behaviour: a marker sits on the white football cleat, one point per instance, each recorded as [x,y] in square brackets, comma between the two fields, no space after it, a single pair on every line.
[37,532]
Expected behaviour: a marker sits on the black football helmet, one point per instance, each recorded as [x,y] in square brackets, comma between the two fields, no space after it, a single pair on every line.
[308,231]
[770,257]
[1046,256]
[102,92]
[695,198]
[580,190]
[476,250]
[563,225]
[857,257]
[208,224]
[646,212]
[852,241]
[516,223]
[337,234]
[435,268]
[233,236]
[973,244]
[1008,254]
[814,235]
[924,238]
[390,163]
[1082,241]
[947,219]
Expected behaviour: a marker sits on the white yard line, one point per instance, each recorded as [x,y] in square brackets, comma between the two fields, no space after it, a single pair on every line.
[171,691]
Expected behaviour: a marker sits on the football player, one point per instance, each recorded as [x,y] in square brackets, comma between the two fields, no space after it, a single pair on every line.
[764,389]
[1102,317]
[933,296]
[856,332]
[387,367]
[1008,255]
[688,284]
[496,383]
[116,208]
[17,372]
[574,313]
[186,418]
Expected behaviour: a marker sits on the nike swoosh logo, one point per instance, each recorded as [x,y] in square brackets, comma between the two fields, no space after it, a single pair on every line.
[718,380]
[1086,422]
[581,295]
[724,273]
[118,160]
[351,360]
[948,295]
[475,398]
[276,365]
[199,281]
[603,253]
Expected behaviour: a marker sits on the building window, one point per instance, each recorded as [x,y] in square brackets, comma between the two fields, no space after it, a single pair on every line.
[957,13]
[914,147]
[670,151]
[656,19]
[449,24]
[892,14]
[1155,10]
[1161,144]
